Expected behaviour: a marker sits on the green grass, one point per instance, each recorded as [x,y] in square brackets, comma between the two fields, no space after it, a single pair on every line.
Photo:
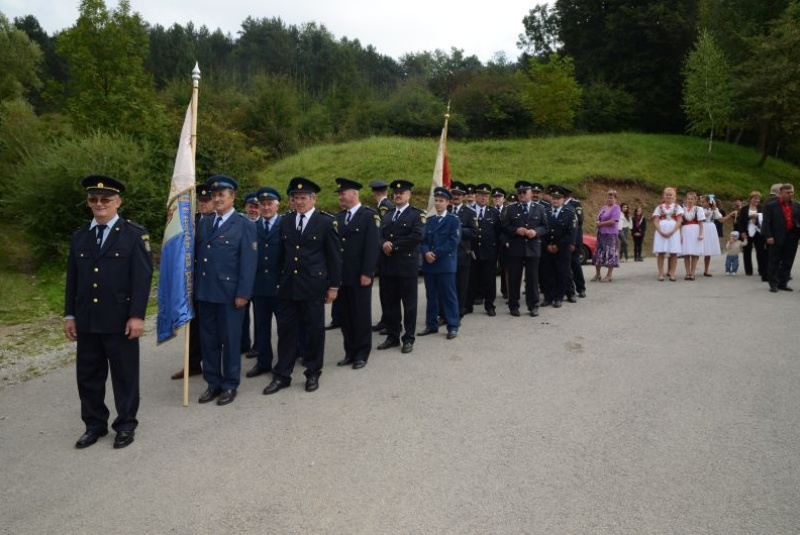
[28,297]
[649,161]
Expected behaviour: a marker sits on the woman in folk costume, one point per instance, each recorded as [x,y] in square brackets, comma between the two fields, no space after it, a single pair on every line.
[711,241]
[667,242]
[692,234]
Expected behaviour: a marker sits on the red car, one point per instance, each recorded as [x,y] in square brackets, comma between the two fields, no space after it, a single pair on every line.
[587,252]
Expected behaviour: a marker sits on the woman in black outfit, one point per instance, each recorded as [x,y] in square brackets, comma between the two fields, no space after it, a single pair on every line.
[748,223]
[639,227]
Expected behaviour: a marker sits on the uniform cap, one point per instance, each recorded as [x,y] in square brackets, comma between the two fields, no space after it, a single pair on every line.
[442,192]
[522,185]
[401,185]
[102,184]
[202,192]
[498,192]
[268,193]
[251,198]
[346,183]
[301,184]
[483,188]
[378,185]
[458,187]
[218,182]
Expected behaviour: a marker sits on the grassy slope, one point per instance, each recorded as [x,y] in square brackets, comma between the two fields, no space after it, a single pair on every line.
[650,161]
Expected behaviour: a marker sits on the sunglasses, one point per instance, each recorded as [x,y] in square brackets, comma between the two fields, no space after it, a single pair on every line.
[101,200]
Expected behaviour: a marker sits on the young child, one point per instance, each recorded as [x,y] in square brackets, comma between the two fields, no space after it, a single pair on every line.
[732,250]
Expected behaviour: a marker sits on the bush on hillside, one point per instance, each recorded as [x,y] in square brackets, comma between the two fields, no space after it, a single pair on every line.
[606,109]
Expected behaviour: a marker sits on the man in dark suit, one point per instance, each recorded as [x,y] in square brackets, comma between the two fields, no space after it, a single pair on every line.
[109,273]
[311,275]
[359,232]
[499,202]
[439,251]
[523,224]
[781,230]
[483,278]
[561,224]
[204,207]
[577,282]
[249,344]
[469,229]
[402,230]
[265,287]
[383,205]
[226,259]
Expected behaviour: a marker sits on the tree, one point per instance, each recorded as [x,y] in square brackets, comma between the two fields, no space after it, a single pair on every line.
[707,89]
[541,32]
[606,108]
[770,82]
[19,61]
[551,92]
[109,87]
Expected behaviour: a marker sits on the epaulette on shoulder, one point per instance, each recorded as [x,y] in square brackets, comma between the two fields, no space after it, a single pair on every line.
[415,209]
[287,212]
[369,208]
[135,225]
[327,214]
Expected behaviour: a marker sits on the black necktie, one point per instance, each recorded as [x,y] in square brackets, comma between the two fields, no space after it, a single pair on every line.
[525,208]
[266,225]
[300,224]
[348,218]
[100,230]
[217,223]
[396,216]
[480,216]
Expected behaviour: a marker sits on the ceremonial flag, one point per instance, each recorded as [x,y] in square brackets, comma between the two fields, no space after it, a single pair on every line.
[441,171]
[177,250]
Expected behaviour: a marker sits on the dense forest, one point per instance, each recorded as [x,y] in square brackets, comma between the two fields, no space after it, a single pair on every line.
[109,92]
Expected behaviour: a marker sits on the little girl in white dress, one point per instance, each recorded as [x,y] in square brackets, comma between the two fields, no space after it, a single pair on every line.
[711,241]
[667,242]
[692,234]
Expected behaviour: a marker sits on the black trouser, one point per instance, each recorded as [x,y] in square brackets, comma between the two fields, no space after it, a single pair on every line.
[247,343]
[758,243]
[400,291]
[555,274]
[336,312]
[637,246]
[483,282]
[195,352]
[263,310]
[97,353]
[781,259]
[355,313]
[515,265]
[462,286]
[300,320]
[577,282]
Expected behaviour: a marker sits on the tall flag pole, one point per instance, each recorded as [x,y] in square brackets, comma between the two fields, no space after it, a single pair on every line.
[441,171]
[177,250]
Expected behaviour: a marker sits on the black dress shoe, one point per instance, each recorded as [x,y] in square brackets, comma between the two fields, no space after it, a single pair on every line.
[491,312]
[515,312]
[255,371]
[443,322]
[378,327]
[312,383]
[451,335]
[581,294]
[556,304]
[275,385]
[89,438]
[179,374]
[546,303]
[535,311]
[209,394]
[123,439]
[571,299]
[426,332]
[773,289]
[251,353]
[226,397]
[332,325]
[389,343]
[408,347]
[384,332]
[785,288]
[478,301]
[357,365]
[345,362]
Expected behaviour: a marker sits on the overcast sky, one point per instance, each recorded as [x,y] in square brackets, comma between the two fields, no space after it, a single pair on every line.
[393,28]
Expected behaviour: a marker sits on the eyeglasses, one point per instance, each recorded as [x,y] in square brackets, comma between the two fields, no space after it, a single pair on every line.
[101,200]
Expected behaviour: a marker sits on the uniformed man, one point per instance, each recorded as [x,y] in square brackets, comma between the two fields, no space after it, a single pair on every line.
[537,197]
[204,207]
[359,232]
[265,286]
[561,224]
[469,196]
[499,202]
[577,283]
[439,251]
[469,229]
[499,199]
[383,205]
[311,275]
[402,230]
[109,273]
[483,276]
[226,252]
[523,224]
[249,343]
